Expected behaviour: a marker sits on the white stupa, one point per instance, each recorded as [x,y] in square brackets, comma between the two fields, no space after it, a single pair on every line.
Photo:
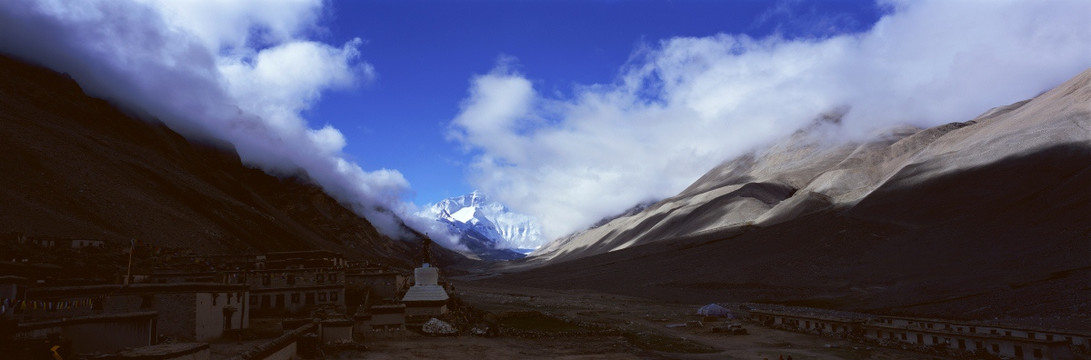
[426,296]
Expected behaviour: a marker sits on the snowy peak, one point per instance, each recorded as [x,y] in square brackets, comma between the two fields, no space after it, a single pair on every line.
[465,215]
[472,199]
[471,211]
[486,223]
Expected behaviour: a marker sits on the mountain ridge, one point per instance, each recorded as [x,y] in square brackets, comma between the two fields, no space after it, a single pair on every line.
[973,219]
[487,228]
[824,174]
[80,167]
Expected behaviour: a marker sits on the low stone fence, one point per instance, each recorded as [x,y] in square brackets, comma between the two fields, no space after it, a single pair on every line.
[286,346]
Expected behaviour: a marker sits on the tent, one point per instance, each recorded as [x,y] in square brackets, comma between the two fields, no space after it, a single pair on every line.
[715,310]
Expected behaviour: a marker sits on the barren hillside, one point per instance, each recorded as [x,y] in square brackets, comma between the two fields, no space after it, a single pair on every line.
[989,217]
[77,167]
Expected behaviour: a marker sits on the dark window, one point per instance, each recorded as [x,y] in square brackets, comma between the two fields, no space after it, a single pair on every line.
[310,298]
[1007,333]
[266,279]
[920,339]
[295,298]
[280,300]
[935,340]
[961,344]
[1018,352]
[930,325]
[253,300]
[147,301]
[322,296]
[1030,335]
[319,278]
[333,296]
[291,279]
[265,302]
[1049,337]
[996,348]
[979,345]
[904,337]
[1038,353]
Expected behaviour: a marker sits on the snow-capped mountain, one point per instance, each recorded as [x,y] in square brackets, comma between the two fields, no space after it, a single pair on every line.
[486,225]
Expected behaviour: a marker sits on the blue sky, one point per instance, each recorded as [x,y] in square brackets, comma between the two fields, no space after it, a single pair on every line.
[566,111]
[425,52]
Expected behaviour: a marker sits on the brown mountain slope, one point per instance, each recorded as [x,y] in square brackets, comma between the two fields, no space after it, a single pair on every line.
[811,173]
[75,166]
[989,218]
[1020,255]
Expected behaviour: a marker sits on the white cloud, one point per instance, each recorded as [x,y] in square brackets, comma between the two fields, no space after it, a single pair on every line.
[684,105]
[235,27]
[238,71]
[497,104]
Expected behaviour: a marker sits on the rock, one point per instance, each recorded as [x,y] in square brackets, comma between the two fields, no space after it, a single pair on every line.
[438,327]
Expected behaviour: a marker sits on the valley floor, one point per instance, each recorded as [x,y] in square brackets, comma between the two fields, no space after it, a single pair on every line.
[574,324]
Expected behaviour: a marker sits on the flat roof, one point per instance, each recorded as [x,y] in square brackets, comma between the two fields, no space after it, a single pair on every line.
[810,316]
[985,323]
[13,278]
[162,351]
[66,291]
[261,271]
[260,290]
[88,318]
[374,274]
[387,309]
[966,334]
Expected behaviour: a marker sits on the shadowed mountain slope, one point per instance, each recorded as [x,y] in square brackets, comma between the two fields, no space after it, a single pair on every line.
[986,218]
[77,167]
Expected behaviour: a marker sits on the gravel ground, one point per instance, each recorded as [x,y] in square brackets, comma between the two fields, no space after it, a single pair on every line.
[603,326]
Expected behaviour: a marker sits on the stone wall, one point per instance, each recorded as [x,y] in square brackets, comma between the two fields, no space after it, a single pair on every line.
[96,334]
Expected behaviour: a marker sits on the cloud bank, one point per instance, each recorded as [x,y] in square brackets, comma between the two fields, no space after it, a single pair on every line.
[233,71]
[683,105]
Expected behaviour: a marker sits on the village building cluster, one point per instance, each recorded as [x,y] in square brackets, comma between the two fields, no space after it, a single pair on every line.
[173,308]
[944,337]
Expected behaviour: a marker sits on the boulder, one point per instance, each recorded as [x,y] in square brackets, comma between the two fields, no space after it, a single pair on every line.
[438,327]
